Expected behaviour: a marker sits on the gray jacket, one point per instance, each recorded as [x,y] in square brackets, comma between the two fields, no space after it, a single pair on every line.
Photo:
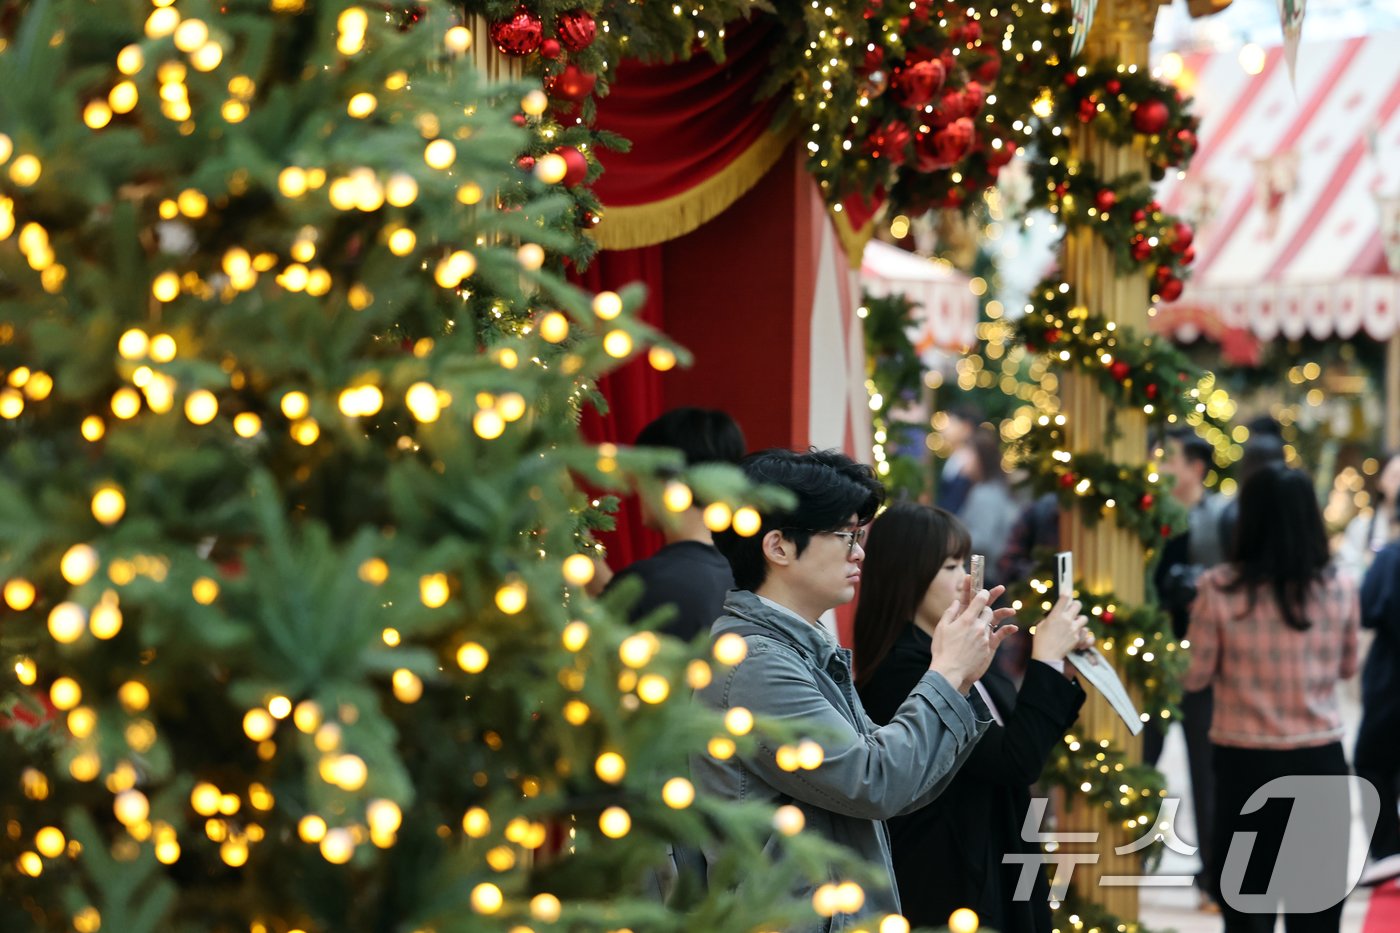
[794,675]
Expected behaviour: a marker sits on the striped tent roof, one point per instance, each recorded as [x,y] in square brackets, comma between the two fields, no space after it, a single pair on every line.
[1283,192]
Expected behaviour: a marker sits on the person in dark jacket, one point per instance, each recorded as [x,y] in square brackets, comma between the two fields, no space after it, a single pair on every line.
[687,577]
[1377,755]
[948,854]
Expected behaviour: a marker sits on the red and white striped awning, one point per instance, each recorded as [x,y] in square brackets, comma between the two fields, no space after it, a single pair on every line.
[1283,192]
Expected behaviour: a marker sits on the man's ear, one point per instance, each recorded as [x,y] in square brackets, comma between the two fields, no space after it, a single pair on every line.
[777,549]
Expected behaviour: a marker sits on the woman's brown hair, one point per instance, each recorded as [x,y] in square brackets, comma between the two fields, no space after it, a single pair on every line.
[907,546]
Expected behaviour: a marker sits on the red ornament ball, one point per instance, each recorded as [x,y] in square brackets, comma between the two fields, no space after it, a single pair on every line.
[945,147]
[1188,255]
[1146,501]
[1139,216]
[1150,116]
[518,119]
[526,163]
[1183,235]
[1105,200]
[577,164]
[1107,617]
[1071,79]
[1140,250]
[1120,370]
[915,86]
[996,158]
[1170,290]
[519,35]
[1151,390]
[572,84]
[576,29]
[1068,479]
[1113,86]
[551,49]
[988,70]
[974,96]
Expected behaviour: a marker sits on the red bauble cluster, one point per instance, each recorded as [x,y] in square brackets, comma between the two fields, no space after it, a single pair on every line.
[1150,116]
[576,29]
[519,35]
[572,84]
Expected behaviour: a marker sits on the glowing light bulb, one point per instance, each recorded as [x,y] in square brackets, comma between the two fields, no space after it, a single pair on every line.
[422,401]
[440,154]
[458,40]
[730,649]
[163,348]
[97,114]
[259,725]
[607,305]
[402,241]
[133,344]
[486,898]
[108,505]
[65,694]
[511,597]
[531,256]
[207,57]
[134,696]
[362,105]
[247,424]
[50,842]
[717,516]
[130,60]
[653,688]
[678,793]
[78,564]
[618,344]
[292,182]
[190,35]
[476,823]
[661,359]
[472,658]
[578,569]
[166,286]
[295,405]
[131,807]
[19,594]
[338,846]
[201,407]
[162,22]
[554,327]
[789,820]
[106,619]
[615,822]
[551,168]
[698,674]
[401,189]
[739,721]
[636,651]
[311,828]
[25,170]
[123,97]
[747,522]
[433,590]
[545,907]
[575,636]
[610,767]
[963,920]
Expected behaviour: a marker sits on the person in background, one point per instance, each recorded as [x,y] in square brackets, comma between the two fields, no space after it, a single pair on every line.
[688,575]
[1274,630]
[1377,753]
[1184,558]
[802,562]
[990,510]
[1369,531]
[949,854]
[1263,449]
[956,480]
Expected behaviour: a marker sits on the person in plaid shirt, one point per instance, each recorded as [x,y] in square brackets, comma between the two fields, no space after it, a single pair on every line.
[1274,631]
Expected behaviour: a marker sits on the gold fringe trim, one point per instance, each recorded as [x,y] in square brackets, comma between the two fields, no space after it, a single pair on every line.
[852,239]
[641,225]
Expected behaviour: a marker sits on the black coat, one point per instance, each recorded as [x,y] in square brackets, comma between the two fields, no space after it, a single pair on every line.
[949,854]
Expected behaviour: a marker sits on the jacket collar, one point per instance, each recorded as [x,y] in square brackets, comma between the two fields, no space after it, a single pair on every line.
[802,635]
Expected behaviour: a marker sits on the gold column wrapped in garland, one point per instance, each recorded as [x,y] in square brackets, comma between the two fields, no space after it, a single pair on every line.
[1107,557]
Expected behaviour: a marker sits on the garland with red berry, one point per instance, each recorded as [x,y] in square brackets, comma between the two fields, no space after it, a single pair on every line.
[1133,370]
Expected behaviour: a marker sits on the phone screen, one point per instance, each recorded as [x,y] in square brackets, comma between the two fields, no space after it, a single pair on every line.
[977,565]
[1064,573]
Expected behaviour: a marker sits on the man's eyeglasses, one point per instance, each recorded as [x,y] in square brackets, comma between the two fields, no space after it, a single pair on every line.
[852,538]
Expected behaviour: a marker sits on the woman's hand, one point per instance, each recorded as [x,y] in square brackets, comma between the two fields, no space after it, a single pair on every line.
[1062,630]
[965,640]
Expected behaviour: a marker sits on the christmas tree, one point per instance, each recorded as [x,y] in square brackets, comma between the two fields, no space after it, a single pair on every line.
[293,520]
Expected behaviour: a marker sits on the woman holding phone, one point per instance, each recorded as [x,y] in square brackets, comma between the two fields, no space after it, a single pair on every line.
[949,854]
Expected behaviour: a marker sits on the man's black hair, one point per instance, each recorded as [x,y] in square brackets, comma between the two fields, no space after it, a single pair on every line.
[1260,451]
[703,435]
[1194,447]
[830,488]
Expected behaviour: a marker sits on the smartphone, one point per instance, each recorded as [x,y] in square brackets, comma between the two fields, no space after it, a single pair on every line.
[1064,573]
[977,567]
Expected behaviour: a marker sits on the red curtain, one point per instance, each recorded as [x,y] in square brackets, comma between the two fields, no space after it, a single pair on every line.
[686,121]
[699,141]
[633,391]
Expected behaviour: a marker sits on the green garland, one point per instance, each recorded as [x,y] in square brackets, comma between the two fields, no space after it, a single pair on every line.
[895,372]
[1131,369]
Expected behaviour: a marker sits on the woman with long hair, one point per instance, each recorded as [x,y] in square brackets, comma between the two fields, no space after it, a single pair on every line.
[949,854]
[1274,630]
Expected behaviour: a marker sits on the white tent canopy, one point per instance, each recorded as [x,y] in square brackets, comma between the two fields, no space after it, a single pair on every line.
[946,316]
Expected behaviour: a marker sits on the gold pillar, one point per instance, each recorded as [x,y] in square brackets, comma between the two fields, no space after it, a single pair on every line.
[1107,557]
